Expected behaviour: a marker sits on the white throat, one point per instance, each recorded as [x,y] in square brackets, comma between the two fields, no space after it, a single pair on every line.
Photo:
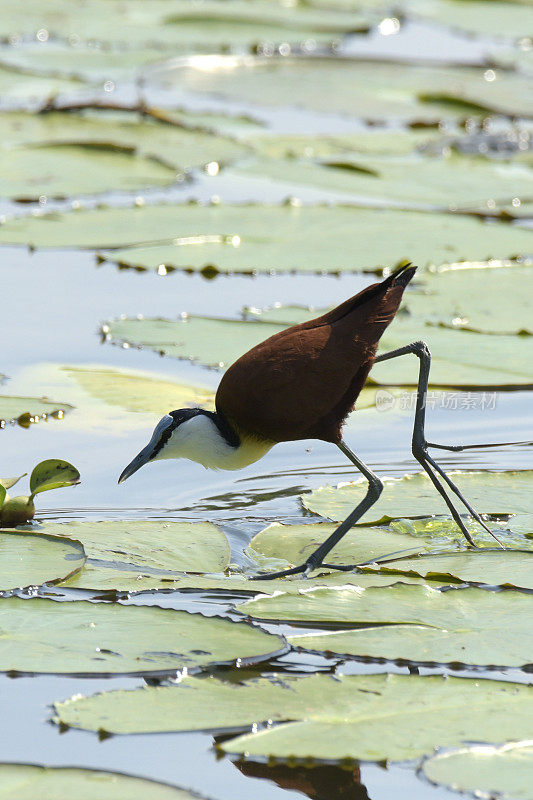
[199,439]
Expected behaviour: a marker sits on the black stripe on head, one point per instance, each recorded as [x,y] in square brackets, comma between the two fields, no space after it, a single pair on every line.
[184,414]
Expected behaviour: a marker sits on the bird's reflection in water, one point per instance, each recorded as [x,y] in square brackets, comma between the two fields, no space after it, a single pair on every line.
[323,782]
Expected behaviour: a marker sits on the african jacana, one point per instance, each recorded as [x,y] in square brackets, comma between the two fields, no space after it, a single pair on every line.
[302,383]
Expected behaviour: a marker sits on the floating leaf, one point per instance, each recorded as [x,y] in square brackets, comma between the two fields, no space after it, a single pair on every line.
[467,626]
[458,299]
[501,19]
[179,546]
[18,86]
[419,605]
[26,410]
[265,238]
[53,474]
[60,154]
[296,542]
[377,142]
[78,637]
[105,578]
[31,559]
[212,25]
[377,91]
[414,496]
[495,568]
[460,359]
[485,771]
[342,716]
[136,392]
[456,182]
[27,781]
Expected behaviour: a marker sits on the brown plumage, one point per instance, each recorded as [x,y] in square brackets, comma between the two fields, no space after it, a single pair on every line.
[302,383]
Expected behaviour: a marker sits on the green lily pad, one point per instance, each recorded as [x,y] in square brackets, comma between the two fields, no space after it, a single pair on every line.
[62,154]
[468,626]
[104,577]
[27,781]
[454,182]
[296,542]
[376,91]
[31,559]
[265,238]
[136,392]
[376,142]
[465,299]
[179,546]
[44,636]
[495,568]
[26,410]
[59,171]
[53,474]
[18,86]
[414,496]
[211,24]
[461,359]
[504,772]
[212,342]
[339,717]
[502,19]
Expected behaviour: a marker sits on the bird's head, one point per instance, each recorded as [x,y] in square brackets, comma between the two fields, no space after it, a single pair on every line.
[169,439]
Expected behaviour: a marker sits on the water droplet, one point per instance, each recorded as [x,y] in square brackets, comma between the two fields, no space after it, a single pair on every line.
[389,26]
[284,49]
[140,201]
[161,270]
[42,35]
[516,202]
[212,168]
[489,75]
[109,86]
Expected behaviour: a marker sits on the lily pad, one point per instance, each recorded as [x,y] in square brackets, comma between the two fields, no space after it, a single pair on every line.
[26,410]
[501,19]
[136,392]
[45,636]
[495,568]
[211,24]
[341,716]
[179,546]
[455,182]
[376,142]
[376,91]
[265,238]
[296,542]
[461,359]
[414,496]
[27,781]
[103,577]
[31,559]
[492,301]
[18,86]
[63,154]
[467,626]
[504,772]
[417,605]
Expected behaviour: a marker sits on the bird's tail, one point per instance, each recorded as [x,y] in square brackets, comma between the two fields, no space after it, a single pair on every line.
[400,276]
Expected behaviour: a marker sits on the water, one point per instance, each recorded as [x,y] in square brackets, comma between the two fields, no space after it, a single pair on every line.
[54,303]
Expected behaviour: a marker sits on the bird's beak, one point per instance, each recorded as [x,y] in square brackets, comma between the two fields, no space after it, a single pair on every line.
[147,453]
[139,461]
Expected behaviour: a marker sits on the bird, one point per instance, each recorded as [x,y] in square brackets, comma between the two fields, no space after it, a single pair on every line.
[302,383]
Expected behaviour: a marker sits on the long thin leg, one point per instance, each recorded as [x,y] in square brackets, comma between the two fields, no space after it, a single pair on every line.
[420,445]
[375,487]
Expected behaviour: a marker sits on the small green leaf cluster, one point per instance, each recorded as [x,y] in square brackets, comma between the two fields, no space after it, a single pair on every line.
[50,474]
